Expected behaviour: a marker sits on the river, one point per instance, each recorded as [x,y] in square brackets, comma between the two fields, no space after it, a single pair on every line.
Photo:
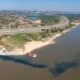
[59,61]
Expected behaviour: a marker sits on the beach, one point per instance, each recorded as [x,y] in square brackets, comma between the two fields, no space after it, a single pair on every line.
[33,45]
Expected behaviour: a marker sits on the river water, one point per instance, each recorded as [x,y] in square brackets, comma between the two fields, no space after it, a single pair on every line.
[59,61]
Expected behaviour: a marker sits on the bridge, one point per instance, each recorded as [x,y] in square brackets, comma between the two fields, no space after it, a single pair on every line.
[62,24]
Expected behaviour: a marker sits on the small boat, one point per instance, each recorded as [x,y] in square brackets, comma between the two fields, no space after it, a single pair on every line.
[32,55]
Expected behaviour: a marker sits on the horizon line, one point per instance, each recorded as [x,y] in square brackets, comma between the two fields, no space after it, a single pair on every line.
[36,10]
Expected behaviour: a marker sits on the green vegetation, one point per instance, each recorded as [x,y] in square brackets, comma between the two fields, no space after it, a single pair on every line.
[18,40]
[48,19]
[69,26]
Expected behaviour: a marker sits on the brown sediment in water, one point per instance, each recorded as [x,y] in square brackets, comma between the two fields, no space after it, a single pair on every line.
[13,71]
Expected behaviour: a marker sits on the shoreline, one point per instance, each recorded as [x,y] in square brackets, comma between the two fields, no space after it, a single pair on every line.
[33,45]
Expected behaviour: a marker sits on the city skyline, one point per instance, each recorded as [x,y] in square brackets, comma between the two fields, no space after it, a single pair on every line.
[50,5]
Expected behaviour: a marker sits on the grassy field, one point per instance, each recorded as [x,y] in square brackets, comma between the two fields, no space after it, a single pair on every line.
[18,40]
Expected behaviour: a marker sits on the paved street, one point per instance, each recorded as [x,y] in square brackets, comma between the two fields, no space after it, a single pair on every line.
[63,23]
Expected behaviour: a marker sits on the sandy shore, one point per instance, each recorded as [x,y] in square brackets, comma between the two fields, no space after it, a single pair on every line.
[30,46]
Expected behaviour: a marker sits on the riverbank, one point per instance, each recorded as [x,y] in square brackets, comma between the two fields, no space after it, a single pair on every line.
[29,47]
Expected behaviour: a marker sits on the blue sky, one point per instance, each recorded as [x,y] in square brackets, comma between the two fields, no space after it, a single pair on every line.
[55,5]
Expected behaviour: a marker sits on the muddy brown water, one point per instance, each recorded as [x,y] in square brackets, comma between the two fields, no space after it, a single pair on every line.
[59,61]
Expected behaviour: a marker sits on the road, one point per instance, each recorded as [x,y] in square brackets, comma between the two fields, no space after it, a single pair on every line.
[63,23]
